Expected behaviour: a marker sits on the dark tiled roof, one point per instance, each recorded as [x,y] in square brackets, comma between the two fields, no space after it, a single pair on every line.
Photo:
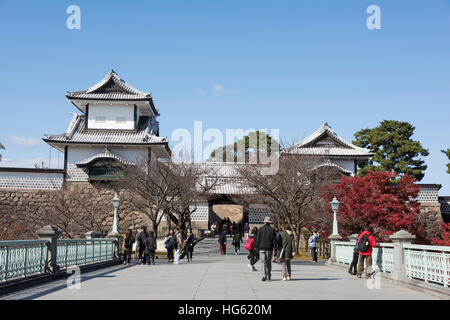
[341,149]
[78,134]
[112,87]
[105,154]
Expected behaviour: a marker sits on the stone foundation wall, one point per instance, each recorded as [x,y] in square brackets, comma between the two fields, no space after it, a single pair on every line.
[24,207]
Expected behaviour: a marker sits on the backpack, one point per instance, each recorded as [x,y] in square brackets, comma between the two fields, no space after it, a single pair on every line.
[363,244]
[250,244]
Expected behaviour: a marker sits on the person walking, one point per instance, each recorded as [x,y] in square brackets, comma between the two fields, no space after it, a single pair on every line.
[213,230]
[253,256]
[354,263]
[265,242]
[246,230]
[179,244]
[277,245]
[169,244]
[366,243]
[286,251]
[313,245]
[150,249]
[140,239]
[189,245]
[128,246]
[223,243]
[237,240]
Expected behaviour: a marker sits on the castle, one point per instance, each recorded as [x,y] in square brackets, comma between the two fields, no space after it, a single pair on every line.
[117,124]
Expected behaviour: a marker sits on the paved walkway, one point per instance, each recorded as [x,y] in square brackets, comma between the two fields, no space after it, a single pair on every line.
[212,276]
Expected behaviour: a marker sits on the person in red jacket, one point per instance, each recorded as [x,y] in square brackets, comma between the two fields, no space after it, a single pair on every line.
[366,242]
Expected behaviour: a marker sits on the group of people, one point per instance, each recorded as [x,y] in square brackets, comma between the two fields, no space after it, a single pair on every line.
[225,225]
[362,253]
[270,245]
[266,244]
[176,245]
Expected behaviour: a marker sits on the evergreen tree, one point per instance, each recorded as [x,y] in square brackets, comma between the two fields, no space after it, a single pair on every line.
[447,153]
[244,149]
[394,149]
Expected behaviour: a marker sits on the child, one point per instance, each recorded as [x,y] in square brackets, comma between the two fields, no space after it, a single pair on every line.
[250,246]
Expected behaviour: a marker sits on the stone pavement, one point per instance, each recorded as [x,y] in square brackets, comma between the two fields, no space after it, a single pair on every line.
[216,277]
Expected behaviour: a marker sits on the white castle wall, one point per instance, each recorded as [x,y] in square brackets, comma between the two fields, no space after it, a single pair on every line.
[30,180]
[110,116]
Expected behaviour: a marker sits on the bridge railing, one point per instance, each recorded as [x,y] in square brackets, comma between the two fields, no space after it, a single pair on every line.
[401,259]
[382,255]
[22,258]
[79,252]
[49,255]
[428,263]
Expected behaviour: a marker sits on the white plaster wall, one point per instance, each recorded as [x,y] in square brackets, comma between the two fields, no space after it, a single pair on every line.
[111,113]
[30,180]
[346,164]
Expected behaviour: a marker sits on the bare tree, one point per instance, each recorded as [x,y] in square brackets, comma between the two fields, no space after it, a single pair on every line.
[166,189]
[293,193]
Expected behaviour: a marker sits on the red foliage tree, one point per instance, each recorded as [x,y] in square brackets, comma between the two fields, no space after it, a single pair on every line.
[445,235]
[380,199]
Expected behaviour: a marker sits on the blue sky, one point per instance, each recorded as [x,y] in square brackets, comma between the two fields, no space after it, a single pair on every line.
[290,65]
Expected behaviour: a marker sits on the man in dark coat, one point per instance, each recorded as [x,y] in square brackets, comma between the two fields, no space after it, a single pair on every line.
[265,242]
[150,249]
[140,239]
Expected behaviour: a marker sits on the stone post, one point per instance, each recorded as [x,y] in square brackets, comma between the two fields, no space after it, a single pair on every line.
[116,236]
[400,238]
[333,239]
[352,238]
[93,235]
[50,234]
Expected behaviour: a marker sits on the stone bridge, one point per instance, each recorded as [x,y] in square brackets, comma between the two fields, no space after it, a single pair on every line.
[216,277]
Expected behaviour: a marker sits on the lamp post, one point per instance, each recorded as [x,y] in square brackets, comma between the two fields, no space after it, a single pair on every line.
[115,202]
[335,206]
[334,237]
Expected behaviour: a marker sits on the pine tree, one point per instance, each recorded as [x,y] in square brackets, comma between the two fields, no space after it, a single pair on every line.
[254,145]
[447,153]
[394,149]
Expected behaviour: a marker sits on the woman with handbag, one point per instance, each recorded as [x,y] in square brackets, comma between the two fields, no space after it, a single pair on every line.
[285,254]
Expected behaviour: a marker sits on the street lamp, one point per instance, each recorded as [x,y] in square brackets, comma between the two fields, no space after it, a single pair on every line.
[335,206]
[115,202]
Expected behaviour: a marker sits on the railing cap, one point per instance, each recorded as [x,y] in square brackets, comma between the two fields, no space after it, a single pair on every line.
[353,237]
[335,237]
[48,231]
[402,235]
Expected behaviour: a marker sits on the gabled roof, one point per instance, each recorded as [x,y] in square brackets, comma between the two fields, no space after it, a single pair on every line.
[333,165]
[78,134]
[112,87]
[327,143]
[106,154]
